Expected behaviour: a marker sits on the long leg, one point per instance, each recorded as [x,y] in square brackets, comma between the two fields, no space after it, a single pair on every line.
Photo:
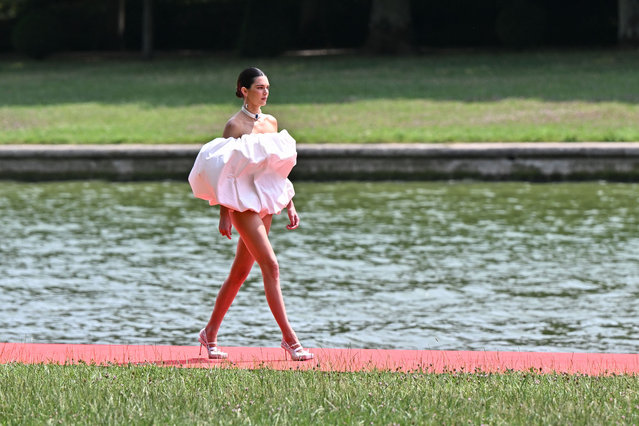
[254,232]
[240,270]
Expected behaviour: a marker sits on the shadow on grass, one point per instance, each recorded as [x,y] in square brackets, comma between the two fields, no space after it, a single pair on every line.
[586,75]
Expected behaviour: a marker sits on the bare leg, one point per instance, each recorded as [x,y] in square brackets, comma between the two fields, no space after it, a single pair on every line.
[239,271]
[254,232]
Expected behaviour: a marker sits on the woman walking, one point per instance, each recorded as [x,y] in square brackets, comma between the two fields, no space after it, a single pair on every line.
[246,173]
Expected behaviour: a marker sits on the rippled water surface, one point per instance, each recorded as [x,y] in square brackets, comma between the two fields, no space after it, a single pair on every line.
[420,265]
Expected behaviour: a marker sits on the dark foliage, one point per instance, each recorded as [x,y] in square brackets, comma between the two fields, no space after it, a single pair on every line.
[267,31]
[38,34]
[521,24]
[258,28]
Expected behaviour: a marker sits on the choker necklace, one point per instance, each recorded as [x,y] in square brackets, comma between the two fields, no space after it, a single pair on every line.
[250,114]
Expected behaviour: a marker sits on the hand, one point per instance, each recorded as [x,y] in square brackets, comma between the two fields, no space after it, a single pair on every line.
[225,225]
[293,217]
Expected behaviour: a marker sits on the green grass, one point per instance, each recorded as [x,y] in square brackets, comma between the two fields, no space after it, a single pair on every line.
[443,97]
[87,394]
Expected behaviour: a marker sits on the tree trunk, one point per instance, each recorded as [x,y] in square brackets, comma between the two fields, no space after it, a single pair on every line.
[628,22]
[121,22]
[390,26]
[147,29]
[312,23]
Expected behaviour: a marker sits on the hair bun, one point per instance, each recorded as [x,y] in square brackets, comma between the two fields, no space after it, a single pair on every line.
[246,79]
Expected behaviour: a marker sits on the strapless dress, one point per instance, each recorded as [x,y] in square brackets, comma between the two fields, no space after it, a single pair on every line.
[246,173]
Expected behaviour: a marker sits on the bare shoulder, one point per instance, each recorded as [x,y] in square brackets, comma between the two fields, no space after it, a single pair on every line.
[233,128]
[271,121]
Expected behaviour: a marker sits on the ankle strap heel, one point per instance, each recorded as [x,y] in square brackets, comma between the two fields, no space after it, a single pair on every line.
[297,352]
[212,350]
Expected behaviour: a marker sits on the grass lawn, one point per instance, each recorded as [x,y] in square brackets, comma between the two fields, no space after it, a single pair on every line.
[439,97]
[86,394]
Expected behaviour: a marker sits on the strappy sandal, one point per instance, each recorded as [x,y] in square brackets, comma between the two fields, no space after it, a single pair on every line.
[297,352]
[211,347]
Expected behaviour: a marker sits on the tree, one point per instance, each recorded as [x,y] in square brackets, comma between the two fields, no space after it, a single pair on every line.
[147,29]
[121,22]
[266,31]
[521,24]
[9,8]
[390,26]
[628,22]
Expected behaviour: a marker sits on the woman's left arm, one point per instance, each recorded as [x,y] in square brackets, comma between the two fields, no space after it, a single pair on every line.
[293,217]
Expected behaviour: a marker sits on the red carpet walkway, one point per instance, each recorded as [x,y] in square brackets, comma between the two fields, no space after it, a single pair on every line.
[326,359]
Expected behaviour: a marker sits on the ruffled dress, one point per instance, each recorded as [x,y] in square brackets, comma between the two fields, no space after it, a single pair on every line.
[246,173]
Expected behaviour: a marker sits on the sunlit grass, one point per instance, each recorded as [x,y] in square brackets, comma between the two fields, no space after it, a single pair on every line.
[86,394]
[539,96]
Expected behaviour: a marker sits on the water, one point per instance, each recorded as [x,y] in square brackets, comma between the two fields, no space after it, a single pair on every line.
[419,265]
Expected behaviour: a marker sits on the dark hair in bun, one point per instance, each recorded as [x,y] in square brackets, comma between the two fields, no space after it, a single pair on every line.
[246,79]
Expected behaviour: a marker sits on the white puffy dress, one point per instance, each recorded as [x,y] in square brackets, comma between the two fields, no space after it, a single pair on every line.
[246,173]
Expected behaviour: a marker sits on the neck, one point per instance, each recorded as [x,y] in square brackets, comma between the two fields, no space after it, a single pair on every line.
[249,110]
[255,109]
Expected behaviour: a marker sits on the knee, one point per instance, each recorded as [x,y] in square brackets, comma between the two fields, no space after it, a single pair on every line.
[270,268]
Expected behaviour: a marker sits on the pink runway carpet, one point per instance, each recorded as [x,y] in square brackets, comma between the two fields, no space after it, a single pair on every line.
[326,359]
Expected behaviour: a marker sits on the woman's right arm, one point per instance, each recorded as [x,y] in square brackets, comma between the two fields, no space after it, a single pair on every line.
[225,226]
[232,129]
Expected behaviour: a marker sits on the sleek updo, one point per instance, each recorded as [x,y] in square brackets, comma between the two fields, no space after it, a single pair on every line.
[246,79]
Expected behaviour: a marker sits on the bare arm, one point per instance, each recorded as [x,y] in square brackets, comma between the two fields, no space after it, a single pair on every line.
[231,130]
[225,224]
[293,217]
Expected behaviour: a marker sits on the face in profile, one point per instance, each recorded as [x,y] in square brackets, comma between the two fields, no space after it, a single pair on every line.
[258,93]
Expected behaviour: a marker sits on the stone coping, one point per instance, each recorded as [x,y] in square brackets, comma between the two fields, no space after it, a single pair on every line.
[529,161]
[327,149]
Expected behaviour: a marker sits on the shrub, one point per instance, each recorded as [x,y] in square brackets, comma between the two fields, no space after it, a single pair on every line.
[267,31]
[521,24]
[37,34]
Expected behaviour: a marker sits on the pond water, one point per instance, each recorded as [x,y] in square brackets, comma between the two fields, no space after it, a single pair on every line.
[406,265]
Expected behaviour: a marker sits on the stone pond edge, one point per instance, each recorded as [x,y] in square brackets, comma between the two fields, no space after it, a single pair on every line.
[541,161]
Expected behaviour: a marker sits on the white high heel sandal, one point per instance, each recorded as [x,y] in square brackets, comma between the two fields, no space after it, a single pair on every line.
[211,347]
[297,352]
